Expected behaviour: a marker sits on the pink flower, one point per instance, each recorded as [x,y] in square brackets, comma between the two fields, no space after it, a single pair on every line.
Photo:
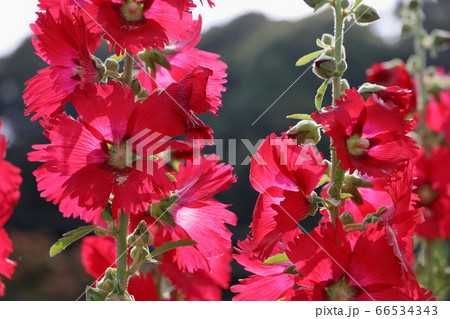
[66,45]
[437,113]
[368,136]
[132,25]
[185,60]
[88,159]
[284,174]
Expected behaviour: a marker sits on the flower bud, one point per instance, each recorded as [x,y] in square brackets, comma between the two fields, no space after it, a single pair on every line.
[347,218]
[342,66]
[327,39]
[441,39]
[345,4]
[305,132]
[315,4]
[101,69]
[325,67]
[367,89]
[344,85]
[95,294]
[108,281]
[365,14]
[136,86]
[141,236]
[112,65]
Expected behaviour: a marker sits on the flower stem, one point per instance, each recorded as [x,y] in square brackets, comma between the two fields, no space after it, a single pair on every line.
[121,248]
[128,69]
[338,47]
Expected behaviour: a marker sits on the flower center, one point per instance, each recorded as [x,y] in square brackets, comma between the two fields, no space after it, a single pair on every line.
[426,194]
[341,291]
[357,145]
[132,11]
[118,155]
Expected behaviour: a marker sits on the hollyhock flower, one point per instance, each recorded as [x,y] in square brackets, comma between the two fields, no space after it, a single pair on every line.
[184,61]
[368,136]
[98,253]
[192,212]
[270,282]
[284,174]
[66,45]
[401,98]
[393,73]
[132,25]
[333,268]
[10,181]
[437,113]
[432,182]
[89,159]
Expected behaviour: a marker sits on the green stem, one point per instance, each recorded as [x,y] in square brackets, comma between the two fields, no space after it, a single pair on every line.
[338,47]
[429,265]
[121,248]
[128,69]
[422,96]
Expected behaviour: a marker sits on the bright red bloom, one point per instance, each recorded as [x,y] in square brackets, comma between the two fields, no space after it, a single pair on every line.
[184,60]
[107,151]
[196,214]
[369,136]
[98,253]
[393,73]
[271,281]
[433,188]
[66,45]
[333,268]
[437,113]
[401,98]
[10,181]
[284,174]
[134,25]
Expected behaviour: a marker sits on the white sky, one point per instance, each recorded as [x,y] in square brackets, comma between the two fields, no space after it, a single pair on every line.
[16,15]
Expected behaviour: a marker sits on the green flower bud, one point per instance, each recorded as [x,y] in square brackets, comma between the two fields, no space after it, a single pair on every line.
[95,294]
[441,39]
[342,66]
[365,14]
[108,281]
[367,89]
[325,67]
[347,218]
[305,132]
[112,65]
[315,4]
[140,236]
[327,39]
[136,86]
[345,4]
[344,85]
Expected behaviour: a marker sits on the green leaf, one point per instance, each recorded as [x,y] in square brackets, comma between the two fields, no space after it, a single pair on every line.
[171,245]
[308,58]
[320,93]
[339,177]
[321,44]
[276,259]
[299,117]
[69,238]
[345,195]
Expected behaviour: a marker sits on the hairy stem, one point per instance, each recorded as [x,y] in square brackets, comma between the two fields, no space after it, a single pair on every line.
[338,47]
[121,248]
[128,69]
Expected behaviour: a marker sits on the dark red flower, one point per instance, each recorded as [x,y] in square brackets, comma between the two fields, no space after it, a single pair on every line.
[368,136]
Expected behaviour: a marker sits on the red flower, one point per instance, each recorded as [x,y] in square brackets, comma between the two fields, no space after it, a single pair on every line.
[437,113]
[66,45]
[284,174]
[10,181]
[393,73]
[433,188]
[98,253]
[196,214]
[184,60]
[333,268]
[271,281]
[369,136]
[133,25]
[88,159]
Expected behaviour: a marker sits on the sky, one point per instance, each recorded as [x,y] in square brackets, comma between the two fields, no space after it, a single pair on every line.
[16,16]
